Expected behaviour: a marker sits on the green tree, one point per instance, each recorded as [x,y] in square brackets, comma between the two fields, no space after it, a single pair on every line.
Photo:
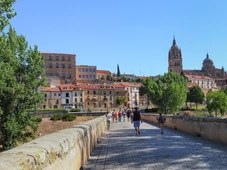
[118,71]
[167,92]
[21,74]
[6,13]
[120,100]
[195,95]
[108,77]
[217,101]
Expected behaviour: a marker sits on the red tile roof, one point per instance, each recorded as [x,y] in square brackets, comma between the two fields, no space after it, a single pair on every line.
[103,71]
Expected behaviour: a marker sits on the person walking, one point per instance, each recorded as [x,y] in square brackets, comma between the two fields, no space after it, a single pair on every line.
[161,120]
[113,115]
[136,118]
[108,119]
[128,114]
[119,115]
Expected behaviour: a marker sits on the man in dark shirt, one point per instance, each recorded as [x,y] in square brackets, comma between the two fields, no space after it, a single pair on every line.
[136,118]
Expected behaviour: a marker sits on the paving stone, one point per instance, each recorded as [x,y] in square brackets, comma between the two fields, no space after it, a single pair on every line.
[119,148]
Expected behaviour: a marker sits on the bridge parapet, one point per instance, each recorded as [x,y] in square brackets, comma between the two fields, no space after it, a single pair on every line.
[66,149]
[211,128]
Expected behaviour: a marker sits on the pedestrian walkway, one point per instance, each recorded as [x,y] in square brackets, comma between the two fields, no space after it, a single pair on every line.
[121,149]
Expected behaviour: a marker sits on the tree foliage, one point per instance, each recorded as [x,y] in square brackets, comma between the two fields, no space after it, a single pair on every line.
[21,74]
[167,92]
[118,71]
[195,95]
[217,101]
[120,100]
[6,13]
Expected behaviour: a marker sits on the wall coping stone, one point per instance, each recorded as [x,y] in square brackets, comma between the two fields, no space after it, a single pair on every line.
[41,152]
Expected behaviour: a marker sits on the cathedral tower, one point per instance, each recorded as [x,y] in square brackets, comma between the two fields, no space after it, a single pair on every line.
[175,58]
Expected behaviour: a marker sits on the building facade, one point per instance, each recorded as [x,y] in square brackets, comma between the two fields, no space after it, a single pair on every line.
[86,74]
[60,65]
[104,75]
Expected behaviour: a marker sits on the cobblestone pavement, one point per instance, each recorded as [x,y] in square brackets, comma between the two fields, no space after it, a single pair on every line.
[120,149]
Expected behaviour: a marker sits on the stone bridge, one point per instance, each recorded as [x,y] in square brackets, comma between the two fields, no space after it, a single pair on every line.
[89,146]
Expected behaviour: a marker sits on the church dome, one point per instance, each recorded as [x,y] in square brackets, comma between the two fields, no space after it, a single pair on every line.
[207,60]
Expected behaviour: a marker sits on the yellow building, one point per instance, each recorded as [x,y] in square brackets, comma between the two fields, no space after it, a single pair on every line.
[85,74]
[104,75]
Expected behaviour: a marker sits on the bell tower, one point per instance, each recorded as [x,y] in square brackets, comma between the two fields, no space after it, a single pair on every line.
[175,58]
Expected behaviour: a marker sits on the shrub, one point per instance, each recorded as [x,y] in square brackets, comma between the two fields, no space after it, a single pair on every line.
[56,117]
[75,110]
[69,117]
[39,120]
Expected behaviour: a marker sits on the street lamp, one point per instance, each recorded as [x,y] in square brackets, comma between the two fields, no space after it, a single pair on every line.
[165,97]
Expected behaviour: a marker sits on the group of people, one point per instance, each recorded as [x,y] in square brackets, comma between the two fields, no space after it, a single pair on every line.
[133,116]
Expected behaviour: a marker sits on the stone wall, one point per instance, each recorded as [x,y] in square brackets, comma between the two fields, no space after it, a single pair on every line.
[207,127]
[63,150]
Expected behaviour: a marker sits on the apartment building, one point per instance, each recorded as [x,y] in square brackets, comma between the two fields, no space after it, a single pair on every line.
[202,81]
[67,94]
[133,94]
[52,97]
[104,75]
[60,65]
[85,74]
[102,96]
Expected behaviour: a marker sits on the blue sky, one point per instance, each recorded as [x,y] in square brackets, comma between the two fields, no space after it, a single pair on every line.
[135,34]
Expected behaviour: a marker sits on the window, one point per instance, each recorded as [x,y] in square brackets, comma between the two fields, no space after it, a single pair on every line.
[57,58]
[83,69]
[63,58]
[90,69]
[87,76]
[50,57]
[55,94]
[57,74]
[75,93]
[57,65]
[86,69]
[67,100]
[90,76]
[66,94]
[51,74]
[83,76]
[59,94]
[63,65]
[94,92]
[79,76]
[63,75]
[79,69]
[69,65]
[57,102]
[88,103]
[76,100]
[110,92]
[104,93]
[81,100]
[93,69]
[94,76]
[88,92]
[69,76]
[50,65]
[69,58]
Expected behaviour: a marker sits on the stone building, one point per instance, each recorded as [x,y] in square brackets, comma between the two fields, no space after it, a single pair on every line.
[175,61]
[175,58]
[86,74]
[60,65]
